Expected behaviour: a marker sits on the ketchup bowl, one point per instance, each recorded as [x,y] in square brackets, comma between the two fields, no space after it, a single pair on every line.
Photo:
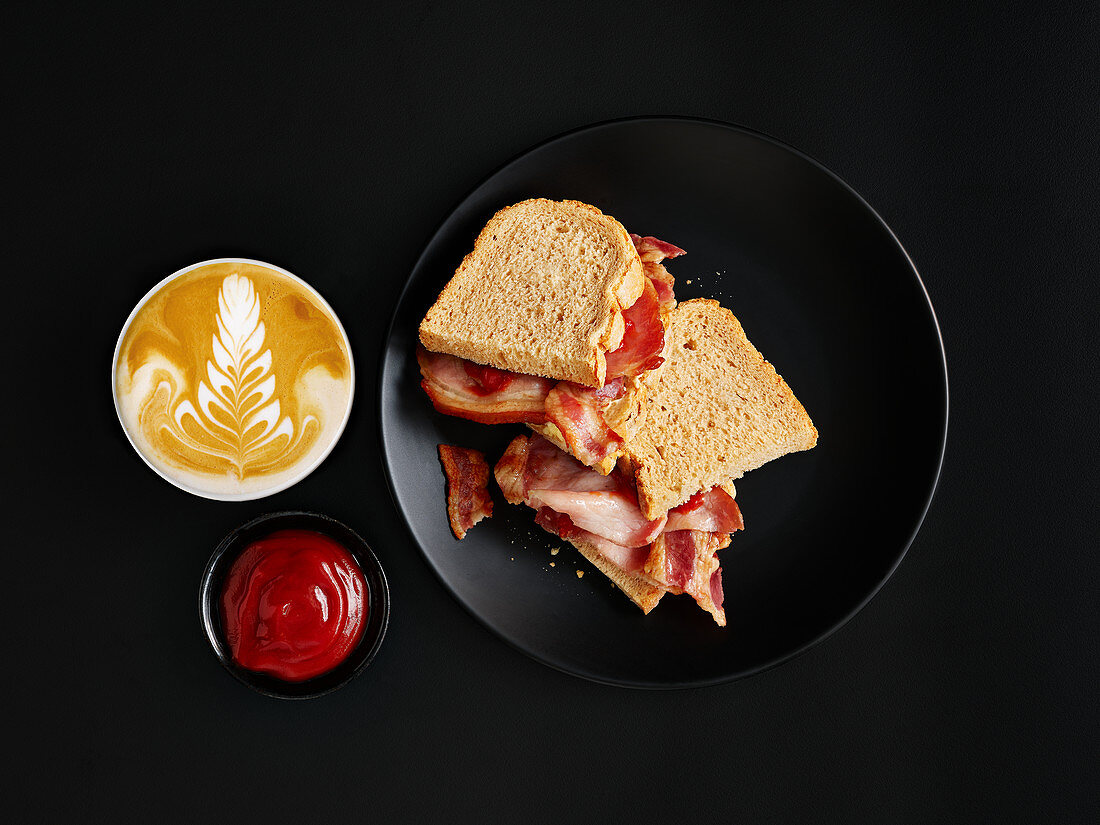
[287,548]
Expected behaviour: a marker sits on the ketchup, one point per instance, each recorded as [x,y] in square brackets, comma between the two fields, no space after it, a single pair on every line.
[293,605]
[487,379]
[693,503]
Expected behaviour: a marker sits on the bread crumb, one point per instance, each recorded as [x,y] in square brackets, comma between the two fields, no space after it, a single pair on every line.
[554,552]
[687,281]
[580,574]
[552,564]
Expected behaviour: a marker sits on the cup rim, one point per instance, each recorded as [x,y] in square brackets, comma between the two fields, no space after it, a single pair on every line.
[266,491]
[378,600]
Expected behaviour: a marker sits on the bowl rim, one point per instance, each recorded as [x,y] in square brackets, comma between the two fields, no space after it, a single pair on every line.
[265,491]
[229,549]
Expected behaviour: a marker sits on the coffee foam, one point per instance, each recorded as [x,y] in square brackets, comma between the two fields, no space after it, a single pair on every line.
[233,379]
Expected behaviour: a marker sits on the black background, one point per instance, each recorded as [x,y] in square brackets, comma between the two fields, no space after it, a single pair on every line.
[333,142]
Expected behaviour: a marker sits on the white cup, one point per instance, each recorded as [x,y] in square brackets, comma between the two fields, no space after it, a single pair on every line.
[216,488]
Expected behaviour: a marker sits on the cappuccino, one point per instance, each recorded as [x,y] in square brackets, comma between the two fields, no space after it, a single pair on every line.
[233,379]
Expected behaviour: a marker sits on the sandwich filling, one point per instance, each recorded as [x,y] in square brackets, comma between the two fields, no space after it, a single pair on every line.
[584,420]
[675,553]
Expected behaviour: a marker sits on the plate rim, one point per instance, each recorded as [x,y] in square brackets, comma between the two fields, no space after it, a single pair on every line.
[819,638]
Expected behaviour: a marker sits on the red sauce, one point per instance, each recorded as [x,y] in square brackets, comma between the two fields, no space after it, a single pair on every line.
[693,503]
[488,379]
[293,605]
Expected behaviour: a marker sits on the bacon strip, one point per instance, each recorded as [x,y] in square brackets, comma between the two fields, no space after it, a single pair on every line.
[663,283]
[510,469]
[628,559]
[654,250]
[535,472]
[484,394]
[612,390]
[468,500]
[613,515]
[686,561]
[717,597]
[575,411]
[714,511]
[643,337]
[574,501]
[556,469]
[535,461]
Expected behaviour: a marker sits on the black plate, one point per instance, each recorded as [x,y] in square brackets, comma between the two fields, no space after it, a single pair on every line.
[824,290]
[378,601]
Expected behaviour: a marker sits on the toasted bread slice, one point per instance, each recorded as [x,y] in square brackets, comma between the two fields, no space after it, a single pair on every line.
[542,293]
[638,589]
[718,411]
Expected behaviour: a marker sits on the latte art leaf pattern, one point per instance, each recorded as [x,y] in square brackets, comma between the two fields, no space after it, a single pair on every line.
[233,378]
[236,415]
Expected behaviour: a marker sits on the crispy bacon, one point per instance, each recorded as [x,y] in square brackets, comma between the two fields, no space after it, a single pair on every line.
[654,250]
[558,470]
[643,337]
[575,502]
[575,411]
[611,514]
[663,283]
[510,469]
[628,559]
[535,461]
[610,391]
[484,394]
[468,500]
[717,597]
[714,511]
[680,551]
[686,561]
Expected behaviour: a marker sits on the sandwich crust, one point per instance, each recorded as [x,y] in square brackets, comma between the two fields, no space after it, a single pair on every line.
[637,588]
[541,293]
[718,411]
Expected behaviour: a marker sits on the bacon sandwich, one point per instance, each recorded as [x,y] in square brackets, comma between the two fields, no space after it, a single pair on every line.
[556,320]
[644,411]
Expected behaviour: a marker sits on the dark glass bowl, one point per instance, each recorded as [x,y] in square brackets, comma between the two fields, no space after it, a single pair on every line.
[378,599]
